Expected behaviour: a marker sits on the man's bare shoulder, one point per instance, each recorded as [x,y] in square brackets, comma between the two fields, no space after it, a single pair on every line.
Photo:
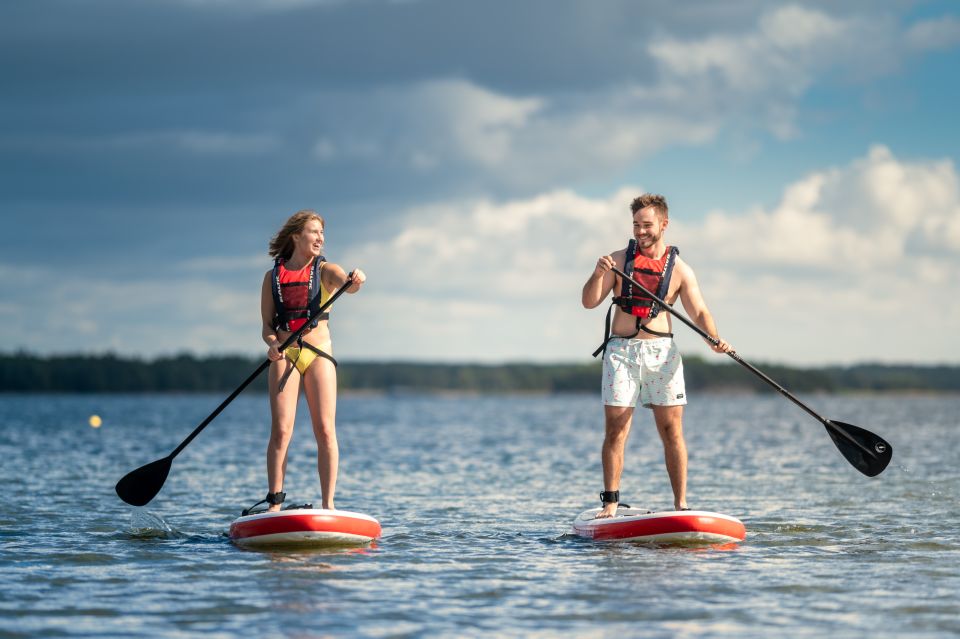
[620,257]
[682,270]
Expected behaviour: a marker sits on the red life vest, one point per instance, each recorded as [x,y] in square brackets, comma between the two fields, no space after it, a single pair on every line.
[653,274]
[655,277]
[297,295]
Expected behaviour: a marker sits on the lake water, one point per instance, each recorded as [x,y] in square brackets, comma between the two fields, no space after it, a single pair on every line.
[476,496]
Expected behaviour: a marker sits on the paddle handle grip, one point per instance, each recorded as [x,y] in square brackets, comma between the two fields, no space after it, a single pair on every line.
[263,366]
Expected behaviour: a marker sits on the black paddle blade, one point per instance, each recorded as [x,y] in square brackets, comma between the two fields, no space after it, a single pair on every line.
[867,452]
[139,486]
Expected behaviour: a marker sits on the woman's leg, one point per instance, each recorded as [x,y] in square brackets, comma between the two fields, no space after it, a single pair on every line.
[283,411]
[320,388]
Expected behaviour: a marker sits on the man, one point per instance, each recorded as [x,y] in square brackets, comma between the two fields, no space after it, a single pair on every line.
[640,358]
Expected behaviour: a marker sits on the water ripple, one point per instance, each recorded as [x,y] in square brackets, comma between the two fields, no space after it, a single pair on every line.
[476,496]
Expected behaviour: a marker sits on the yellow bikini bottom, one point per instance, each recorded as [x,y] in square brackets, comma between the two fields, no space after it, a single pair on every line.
[303,357]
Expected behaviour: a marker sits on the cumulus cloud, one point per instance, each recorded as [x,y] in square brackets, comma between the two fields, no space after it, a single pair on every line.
[747,79]
[855,262]
[843,258]
[350,94]
[941,33]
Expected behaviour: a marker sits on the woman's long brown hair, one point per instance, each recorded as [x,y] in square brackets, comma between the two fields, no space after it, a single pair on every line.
[281,245]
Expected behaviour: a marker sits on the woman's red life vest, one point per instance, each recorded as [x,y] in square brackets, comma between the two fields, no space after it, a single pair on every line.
[297,295]
[653,274]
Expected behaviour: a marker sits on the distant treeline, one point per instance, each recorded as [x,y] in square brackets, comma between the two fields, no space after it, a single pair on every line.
[28,373]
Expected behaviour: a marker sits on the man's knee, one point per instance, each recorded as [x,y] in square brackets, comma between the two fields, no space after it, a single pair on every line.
[617,423]
[669,423]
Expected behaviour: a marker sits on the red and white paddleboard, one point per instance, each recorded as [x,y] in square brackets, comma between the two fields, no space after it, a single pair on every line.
[305,527]
[669,527]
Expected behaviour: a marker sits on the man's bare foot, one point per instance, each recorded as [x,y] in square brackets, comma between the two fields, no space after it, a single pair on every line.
[609,510]
[272,508]
[329,506]
[679,506]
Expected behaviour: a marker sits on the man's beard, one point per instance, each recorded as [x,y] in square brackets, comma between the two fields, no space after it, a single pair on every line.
[649,240]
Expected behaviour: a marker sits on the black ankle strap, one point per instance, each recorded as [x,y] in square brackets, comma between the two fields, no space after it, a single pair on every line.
[610,497]
[272,499]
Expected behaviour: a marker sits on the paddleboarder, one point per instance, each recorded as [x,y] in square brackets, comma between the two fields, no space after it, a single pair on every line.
[640,359]
[300,281]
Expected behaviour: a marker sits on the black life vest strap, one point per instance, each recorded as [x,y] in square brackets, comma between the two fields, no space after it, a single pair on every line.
[653,332]
[292,365]
[607,336]
[319,352]
[606,331]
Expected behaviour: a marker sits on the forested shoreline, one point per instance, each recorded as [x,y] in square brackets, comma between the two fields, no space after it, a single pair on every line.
[30,373]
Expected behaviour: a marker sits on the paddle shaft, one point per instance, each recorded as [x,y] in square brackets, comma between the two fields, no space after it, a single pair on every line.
[263,366]
[750,367]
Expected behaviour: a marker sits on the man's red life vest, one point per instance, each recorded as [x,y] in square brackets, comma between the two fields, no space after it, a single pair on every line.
[297,295]
[655,277]
[653,274]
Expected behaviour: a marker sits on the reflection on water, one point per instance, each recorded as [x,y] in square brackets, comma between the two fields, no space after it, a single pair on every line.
[476,497]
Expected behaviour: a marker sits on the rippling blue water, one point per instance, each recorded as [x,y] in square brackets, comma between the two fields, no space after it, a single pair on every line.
[476,496]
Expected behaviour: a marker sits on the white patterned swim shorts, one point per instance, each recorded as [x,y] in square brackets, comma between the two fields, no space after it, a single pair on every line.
[648,369]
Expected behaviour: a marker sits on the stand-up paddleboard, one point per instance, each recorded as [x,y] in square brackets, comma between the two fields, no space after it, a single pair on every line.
[668,527]
[304,527]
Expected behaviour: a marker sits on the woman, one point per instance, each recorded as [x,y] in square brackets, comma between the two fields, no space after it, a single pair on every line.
[300,282]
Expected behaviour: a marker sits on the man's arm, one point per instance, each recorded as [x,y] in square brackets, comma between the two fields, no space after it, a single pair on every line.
[600,283]
[696,307]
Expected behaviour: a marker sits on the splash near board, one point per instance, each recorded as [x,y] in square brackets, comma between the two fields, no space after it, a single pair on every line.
[304,527]
[668,527]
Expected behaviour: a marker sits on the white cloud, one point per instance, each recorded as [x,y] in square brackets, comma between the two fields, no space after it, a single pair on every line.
[847,256]
[941,33]
[855,262]
[745,81]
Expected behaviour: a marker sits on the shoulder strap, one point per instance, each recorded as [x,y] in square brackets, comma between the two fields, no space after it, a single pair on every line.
[626,288]
[664,287]
[315,293]
[279,312]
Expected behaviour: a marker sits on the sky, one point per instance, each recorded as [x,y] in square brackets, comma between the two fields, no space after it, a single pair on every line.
[475,159]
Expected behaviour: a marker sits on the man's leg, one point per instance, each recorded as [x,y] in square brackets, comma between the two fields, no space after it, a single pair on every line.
[670,426]
[617,428]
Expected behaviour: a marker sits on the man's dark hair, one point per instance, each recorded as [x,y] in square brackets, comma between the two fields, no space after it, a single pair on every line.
[651,199]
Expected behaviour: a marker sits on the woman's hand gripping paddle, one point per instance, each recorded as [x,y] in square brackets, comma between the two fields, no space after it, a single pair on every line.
[139,486]
[867,452]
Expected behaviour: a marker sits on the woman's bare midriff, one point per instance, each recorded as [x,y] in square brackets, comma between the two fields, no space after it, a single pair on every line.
[319,336]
